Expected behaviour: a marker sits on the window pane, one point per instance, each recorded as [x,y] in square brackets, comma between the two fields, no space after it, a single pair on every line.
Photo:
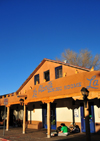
[58,72]
[36,79]
[46,75]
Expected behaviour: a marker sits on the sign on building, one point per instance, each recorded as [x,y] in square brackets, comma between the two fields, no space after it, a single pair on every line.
[76,113]
[6,101]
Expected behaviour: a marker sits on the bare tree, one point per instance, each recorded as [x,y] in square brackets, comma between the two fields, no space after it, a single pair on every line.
[84,58]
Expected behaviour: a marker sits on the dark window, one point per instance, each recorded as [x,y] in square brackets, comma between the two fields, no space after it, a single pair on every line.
[46,75]
[58,72]
[36,79]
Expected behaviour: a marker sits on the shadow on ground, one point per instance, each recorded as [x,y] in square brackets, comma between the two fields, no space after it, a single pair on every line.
[15,134]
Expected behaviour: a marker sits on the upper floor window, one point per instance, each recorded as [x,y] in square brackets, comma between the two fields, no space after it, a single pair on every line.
[36,79]
[58,72]
[46,76]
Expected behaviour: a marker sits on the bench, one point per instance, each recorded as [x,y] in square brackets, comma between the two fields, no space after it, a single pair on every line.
[34,125]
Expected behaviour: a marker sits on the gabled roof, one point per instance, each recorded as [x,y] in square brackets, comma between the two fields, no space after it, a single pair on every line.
[54,61]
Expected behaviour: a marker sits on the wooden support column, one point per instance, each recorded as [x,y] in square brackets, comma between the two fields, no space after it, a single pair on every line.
[48,121]
[24,119]
[8,113]
[87,125]
[48,116]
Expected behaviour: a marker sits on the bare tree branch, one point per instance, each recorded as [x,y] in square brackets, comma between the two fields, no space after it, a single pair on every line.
[84,58]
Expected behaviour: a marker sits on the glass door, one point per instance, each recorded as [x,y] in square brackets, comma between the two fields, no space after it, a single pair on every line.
[91,118]
[52,118]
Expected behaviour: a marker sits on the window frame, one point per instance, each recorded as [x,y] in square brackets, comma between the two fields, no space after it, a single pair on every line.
[35,79]
[57,68]
[45,73]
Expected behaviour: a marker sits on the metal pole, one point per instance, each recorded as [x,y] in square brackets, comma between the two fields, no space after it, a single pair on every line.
[4,120]
[86,108]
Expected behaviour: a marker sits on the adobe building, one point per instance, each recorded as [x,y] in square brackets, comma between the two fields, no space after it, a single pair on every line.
[52,95]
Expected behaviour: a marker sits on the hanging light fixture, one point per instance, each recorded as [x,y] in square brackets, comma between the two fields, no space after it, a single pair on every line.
[85,94]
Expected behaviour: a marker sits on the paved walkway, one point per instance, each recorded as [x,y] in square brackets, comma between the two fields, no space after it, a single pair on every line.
[15,134]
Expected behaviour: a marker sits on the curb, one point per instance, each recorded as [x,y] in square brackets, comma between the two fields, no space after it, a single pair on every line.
[1,139]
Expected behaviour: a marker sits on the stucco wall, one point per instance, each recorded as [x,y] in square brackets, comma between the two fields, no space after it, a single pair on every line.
[36,115]
[51,67]
[97,114]
[64,114]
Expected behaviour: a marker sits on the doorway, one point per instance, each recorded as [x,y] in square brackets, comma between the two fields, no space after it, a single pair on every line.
[53,115]
[91,118]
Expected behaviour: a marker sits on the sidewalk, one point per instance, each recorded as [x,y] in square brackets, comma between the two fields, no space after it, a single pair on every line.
[15,134]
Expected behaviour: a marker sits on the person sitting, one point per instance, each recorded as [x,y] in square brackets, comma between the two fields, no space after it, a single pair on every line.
[56,131]
[64,130]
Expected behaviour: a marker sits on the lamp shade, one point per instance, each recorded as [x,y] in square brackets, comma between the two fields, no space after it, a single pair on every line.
[84,91]
[21,101]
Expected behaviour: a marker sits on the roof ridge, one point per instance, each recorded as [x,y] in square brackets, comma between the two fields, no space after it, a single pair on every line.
[67,64]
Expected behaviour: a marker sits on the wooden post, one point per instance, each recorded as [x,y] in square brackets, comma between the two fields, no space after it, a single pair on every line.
[48,121]
[24,119]
[87,125]
[8,113]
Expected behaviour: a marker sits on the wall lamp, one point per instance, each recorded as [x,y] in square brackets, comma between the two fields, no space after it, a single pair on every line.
[85,94]
[22,100]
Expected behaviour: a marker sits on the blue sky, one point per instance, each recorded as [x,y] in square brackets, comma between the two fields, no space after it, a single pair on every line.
[31,30]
